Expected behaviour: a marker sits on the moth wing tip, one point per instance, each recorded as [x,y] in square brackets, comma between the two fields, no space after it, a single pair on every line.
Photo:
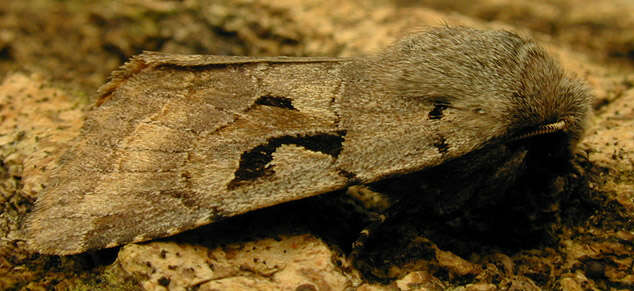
[134,65]
[44,237]
[53,247]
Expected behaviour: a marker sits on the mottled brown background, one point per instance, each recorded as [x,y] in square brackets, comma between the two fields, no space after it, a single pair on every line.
[54,54]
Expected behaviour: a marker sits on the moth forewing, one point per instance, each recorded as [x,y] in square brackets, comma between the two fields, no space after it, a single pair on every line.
[178,143]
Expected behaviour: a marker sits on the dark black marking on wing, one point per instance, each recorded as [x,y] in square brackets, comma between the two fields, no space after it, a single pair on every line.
[253,163]
[188,198]
[437,112]
[276,101]
[352,177]
[441,144]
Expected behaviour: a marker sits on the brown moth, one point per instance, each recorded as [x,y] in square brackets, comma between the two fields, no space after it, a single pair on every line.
[179,141]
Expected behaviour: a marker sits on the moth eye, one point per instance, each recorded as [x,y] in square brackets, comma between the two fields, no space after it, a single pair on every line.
[437,112]
[479,111]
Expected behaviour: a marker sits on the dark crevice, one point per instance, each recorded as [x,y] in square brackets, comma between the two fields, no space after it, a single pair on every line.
[254,163]
[6,53]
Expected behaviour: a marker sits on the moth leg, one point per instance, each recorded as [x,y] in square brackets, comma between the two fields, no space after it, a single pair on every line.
[359,244]
[369,200]
[376,206]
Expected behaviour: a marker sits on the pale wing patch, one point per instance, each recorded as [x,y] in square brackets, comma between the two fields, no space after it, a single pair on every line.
[150,161]
[299,173]
[312,91]
[177,114]
[157,138]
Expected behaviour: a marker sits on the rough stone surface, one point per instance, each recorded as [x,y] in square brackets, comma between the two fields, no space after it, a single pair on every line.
[37,122]
[288,263]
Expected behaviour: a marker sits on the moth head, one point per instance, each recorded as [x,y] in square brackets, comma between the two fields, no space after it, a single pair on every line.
[547,101]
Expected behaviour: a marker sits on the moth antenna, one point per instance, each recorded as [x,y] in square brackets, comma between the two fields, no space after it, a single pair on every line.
[543,129]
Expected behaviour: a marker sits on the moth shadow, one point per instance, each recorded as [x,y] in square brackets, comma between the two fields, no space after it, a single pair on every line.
[501,199]
[314,215]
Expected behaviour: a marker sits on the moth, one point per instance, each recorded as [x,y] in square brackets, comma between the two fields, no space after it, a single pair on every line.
[179,141]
